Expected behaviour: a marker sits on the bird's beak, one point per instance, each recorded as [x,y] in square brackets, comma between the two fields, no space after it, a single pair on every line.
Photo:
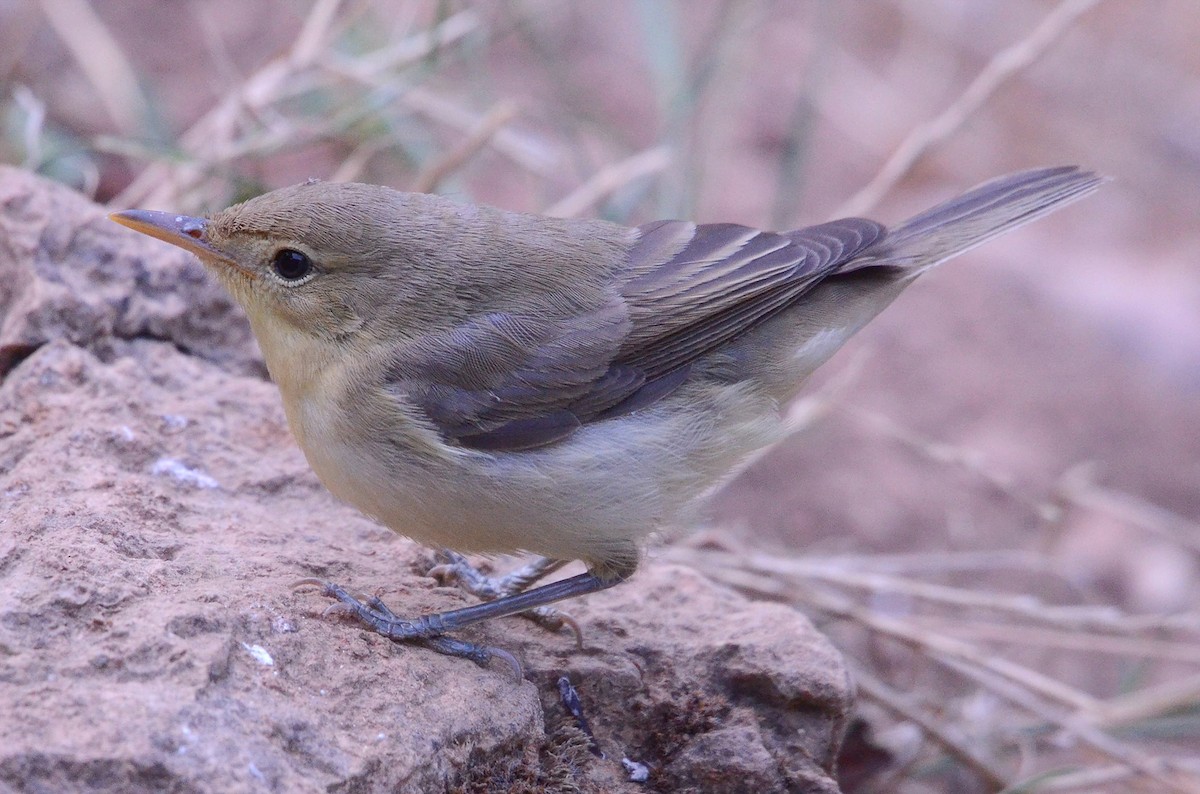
[190,234]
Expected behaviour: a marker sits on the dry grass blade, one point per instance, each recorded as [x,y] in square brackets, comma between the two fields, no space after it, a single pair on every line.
[1077,488]
[246,122]
[529,153]
[905,707]
[949,648]
[941,128]
[1153,768]
[845,572]
[1071,639]
[947,642]
[1147,703]
[373,66]
[1018,685]
[904,631]
[487,128]
[211,138]
[311,41]
[1081,780]
[100,59]
[936,562]
[609,180]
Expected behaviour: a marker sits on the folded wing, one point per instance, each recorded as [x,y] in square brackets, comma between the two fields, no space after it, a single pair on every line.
[506,382]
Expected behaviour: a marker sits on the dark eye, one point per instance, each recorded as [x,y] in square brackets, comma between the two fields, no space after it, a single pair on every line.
[291,265]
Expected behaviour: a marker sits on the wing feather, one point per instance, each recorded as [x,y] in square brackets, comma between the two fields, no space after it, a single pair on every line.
[503,381]
[688,304]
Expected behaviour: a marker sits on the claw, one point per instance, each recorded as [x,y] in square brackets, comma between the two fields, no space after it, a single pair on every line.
[480,654]
[575,629]
[337,608]
[552,619]
[445,573]
[500,653]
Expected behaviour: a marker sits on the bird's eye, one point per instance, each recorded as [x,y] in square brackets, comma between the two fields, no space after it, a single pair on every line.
[291,265]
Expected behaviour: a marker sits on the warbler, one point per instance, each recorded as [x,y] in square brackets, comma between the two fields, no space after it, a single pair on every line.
[494,382]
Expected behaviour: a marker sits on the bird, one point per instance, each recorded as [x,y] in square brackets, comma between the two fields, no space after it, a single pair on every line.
[486,381]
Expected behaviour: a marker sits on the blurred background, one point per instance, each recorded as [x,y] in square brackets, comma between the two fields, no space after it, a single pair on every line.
[991,499]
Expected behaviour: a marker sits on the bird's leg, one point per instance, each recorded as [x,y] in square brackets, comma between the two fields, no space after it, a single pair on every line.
[431,629]
[489,588]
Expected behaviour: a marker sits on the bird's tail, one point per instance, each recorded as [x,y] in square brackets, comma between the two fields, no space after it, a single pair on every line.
[978,215]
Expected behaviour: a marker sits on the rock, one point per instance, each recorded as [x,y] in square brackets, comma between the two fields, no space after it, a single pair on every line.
[154,513]
[67,272]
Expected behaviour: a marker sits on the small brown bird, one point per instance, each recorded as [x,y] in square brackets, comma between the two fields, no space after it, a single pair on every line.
[488,381]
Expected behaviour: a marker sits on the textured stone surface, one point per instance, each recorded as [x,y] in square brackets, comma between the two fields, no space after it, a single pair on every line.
[154,512]
[67,272]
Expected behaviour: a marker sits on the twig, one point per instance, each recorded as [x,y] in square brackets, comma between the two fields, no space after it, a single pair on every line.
[100,58]
[487,128]
[215,131]
[1019,685]
[1077,488]
[929,642]
[934,561]
[781,577]
[526,151]
[1086,779]
[373,66]
[948,648]
[313,34]
[967,459]
[1071,640]
[609,179]
[784,577]
[904,706]
[924,137]
[1147,703]
[356,161]
[217,138]
[1151,767]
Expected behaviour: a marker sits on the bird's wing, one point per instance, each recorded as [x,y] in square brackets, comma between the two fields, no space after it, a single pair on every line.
[698,287]
[503,381]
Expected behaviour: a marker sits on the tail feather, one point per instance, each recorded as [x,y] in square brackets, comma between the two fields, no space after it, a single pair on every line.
[993,208]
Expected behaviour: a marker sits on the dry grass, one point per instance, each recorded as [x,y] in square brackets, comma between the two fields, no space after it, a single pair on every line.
[1037,731]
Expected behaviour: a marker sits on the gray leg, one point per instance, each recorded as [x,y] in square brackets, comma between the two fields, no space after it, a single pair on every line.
[489,588]
[431,629]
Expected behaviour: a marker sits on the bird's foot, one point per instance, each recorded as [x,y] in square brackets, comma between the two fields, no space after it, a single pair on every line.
[427,629]
[432,629]
[458,569]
